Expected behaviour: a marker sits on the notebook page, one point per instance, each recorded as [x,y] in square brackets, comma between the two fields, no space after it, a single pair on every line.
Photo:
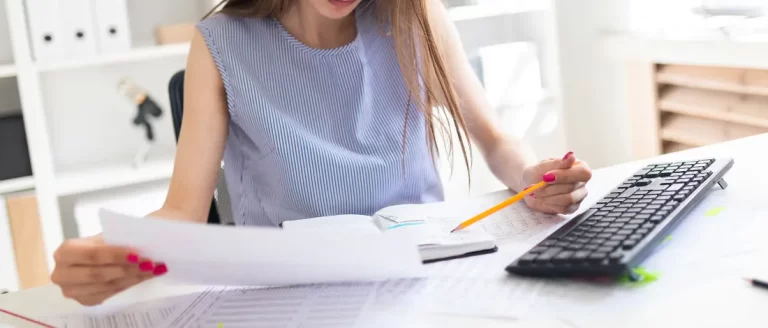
[515,223]
[344,224]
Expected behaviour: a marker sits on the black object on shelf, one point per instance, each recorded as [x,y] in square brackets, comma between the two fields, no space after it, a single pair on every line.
[14,152]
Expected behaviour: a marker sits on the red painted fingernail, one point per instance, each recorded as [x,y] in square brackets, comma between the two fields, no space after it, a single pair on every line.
[549,177]
[132,258]
[160,269]
[532,195]
[146,266]
[567,155]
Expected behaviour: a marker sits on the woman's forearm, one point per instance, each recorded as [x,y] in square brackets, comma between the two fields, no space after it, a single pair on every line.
[508,158]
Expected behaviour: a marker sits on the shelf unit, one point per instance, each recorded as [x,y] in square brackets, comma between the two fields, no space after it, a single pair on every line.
[680,106]
[7,71]
[78,126]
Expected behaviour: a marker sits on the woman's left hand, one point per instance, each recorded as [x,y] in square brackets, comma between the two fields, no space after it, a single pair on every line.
[565,189]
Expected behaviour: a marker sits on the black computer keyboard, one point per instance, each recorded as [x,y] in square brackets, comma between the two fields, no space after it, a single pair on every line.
[621,229]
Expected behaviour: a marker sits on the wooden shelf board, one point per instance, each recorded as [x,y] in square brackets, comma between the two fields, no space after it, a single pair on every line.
[7,71]
[715,78]
[17,184]
[134,55]
[76,182]
[719,106]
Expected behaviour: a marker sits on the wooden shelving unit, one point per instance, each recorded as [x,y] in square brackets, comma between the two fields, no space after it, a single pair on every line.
[680,106]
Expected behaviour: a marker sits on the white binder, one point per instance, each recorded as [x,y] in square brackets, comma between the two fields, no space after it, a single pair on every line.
[9,279]
[44,28]
[113,32]
[76,18]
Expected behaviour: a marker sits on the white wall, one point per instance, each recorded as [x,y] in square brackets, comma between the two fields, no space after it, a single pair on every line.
[592,86]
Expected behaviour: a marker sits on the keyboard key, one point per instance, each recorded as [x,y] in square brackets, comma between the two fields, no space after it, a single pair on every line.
[667,208]
[548,255]
[645,201]
[657,218]
[635,209]
[612,243]
[577,233]
[636,237]
[527,258]
[608,208]
[641,192]
[679,198]
[647,211]
[561,244]
[619,210]
[538,249]
[687,176]
[664,198]
[684,180]
[574,246]
[568,238]
[603,235]
[625,205]
[608,219]
[642,231]
[614,204]
[623,220]
[653,207]
[582,240]
[632,226]
[548,242]
[614,214]
[636,221]
[619,238]
[655,192]
[563,256]
[580,255]
[597,241]
[590,235]
[648,225]
[605,249]
[601,213]
[675,187]
[645,182]
[629,244]
[658,202]
[681,170]
[676,174]
[613,230]
[625,232]
[666,173]
[653,174]
[597,256]
[643,216]
[630,201]
[636,197]
[642,172]
[590,247]
[673,203]
[614,225]
[662,213]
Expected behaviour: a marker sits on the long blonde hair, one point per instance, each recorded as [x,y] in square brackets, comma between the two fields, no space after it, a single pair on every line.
[425,76]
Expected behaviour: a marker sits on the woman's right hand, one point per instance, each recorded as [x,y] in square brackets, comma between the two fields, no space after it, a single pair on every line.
[89,271]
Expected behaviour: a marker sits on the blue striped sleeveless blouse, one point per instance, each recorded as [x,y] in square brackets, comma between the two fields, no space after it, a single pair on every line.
[316,132]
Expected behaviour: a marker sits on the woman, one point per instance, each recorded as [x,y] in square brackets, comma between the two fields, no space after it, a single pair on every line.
[321,107]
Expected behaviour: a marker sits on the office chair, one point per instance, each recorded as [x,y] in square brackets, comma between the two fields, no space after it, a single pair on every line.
[221,208]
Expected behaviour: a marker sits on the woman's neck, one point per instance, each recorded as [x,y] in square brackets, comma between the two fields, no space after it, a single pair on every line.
[317,31]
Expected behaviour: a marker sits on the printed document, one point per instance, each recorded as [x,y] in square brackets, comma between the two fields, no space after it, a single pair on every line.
[199,254]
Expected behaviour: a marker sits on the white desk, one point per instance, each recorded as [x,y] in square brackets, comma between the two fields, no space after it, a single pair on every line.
[709,295]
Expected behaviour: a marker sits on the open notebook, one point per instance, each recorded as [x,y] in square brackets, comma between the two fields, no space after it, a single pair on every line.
[433,235]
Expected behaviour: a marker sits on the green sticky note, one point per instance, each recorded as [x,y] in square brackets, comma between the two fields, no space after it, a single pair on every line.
[646,277]
[715,211]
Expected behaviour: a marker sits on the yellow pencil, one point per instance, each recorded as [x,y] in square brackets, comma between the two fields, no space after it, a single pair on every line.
[499,206]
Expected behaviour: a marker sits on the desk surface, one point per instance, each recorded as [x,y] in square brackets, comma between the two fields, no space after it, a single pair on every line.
[709,294]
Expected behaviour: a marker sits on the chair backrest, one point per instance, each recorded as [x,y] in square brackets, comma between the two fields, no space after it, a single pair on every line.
[176,93]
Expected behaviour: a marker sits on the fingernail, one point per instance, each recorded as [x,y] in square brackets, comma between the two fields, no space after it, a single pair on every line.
[526,188]
[567,155]
[132,258]
[532,195]
[549,177]
[160,269]
[146,266]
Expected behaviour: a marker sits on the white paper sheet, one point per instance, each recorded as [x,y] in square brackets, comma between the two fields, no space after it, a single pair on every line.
[245,256]
[515,223]
[142,315]
[374,304]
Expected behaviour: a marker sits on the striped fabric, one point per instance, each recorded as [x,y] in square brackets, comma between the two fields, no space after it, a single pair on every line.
[316,132]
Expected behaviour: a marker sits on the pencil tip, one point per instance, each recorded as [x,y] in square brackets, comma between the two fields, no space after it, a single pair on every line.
[454,230]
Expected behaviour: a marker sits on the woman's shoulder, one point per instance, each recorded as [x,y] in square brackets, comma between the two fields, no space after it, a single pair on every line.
[226,22]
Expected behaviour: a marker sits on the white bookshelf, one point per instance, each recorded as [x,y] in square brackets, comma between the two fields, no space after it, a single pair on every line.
[7,71]
[78,128]
[16,185]
[133,56]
